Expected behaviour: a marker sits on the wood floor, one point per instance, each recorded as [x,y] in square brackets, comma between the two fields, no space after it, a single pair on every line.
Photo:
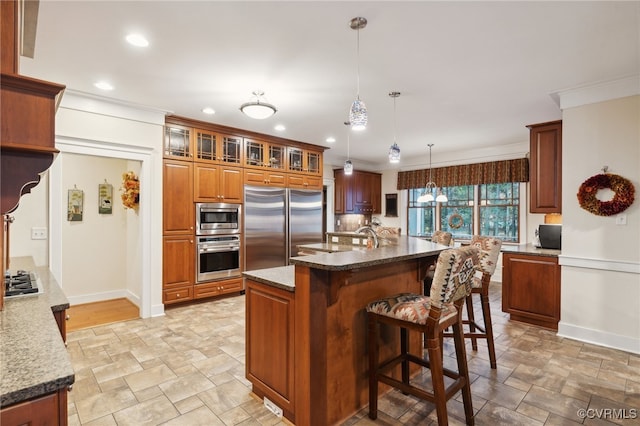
[99,313]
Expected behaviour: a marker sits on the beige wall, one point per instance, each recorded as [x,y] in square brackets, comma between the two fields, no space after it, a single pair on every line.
[96,249]
[601,260]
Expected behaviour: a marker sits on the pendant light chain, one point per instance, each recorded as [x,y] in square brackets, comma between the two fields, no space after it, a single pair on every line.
[358,63]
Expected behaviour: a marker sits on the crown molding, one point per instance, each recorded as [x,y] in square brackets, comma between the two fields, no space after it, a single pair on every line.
[597,92]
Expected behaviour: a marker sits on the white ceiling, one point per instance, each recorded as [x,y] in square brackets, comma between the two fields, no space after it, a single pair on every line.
[472,75]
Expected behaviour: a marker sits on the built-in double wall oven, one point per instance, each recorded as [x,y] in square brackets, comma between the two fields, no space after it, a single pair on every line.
[218,227]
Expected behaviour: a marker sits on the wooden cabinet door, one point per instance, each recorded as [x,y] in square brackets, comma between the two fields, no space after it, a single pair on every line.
[531,289]
[376,194]
[205,183]
[47,410]
[270,343]
[178,211]
[230,184]
[178,265]
[338,202]
[178,142]
[545,171]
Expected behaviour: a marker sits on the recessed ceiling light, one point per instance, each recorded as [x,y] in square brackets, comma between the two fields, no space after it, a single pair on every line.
[209,110]
[279,127]
[330,139]
[103,85]
[137,40]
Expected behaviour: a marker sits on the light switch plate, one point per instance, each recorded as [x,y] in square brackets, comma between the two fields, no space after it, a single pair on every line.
[621,219]
[38,233]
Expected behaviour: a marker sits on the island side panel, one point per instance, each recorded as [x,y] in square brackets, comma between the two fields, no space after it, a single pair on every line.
[335,351]
[270,344]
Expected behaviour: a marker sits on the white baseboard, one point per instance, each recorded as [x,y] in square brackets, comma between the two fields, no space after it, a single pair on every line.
[107,295]
[598,337]
[157,310]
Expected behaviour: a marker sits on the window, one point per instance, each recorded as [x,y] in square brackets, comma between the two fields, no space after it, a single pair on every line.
[490,210]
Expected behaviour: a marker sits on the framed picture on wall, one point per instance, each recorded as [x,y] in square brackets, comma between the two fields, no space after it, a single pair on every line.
[75,201]
[105,198]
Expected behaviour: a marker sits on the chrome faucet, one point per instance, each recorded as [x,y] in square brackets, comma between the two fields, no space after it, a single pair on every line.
[371,232]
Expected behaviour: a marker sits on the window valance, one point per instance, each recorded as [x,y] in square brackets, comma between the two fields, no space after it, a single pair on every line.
[468,174]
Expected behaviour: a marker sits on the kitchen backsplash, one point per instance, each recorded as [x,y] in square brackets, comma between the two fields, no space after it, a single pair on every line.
[351,222]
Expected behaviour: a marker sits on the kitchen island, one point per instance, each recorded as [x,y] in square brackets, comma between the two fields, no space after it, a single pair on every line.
[36,371]
[306,348]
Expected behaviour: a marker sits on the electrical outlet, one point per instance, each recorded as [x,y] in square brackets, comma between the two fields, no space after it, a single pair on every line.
[621,219]
[38,233]
[272,407]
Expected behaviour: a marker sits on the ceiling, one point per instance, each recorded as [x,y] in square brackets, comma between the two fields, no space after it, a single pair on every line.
[472,75]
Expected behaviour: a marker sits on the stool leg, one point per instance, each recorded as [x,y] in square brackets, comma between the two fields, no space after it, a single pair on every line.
[488,327]
[437,378]
[472,321]
[373,367]
[404,350]
[463,370]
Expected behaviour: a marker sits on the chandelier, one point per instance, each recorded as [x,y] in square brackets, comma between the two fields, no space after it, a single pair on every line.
[358,111]
[427,195]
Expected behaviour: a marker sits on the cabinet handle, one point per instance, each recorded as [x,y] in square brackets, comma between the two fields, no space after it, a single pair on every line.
[69,388]
[177,294]
[222,197]
[67,318]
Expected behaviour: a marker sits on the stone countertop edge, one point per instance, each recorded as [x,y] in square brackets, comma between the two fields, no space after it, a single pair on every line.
[35,361]
[282,277]
[406,248]
[530,249]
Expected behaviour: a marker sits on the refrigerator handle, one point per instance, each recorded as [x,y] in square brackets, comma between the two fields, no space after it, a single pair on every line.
[287,229]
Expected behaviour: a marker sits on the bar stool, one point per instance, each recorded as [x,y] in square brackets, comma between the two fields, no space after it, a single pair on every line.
[429,315]
[439,237]
[489,252]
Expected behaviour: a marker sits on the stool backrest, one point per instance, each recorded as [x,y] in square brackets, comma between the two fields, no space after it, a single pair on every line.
[441,237]
[489,252]
[452,278]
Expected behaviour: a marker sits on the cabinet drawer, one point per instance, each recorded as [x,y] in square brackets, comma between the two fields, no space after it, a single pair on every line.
[177,295]
[217,288]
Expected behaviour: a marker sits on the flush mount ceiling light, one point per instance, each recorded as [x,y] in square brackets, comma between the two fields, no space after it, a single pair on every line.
[348,165]
[258,109]
[394,150]
[358,111]
[427,195]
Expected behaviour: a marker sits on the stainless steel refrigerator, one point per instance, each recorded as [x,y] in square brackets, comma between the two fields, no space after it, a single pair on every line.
[276,221]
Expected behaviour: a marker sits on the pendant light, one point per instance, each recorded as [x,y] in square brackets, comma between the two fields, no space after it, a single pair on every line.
[256,109]
[427,195]
[358,111]
[348,165]
[394,150]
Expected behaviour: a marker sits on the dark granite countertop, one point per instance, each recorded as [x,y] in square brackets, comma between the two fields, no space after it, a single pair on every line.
[405,249]
[283,277]
[529,249]
[35,361]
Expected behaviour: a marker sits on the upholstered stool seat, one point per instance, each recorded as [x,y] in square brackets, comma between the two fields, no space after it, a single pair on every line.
[429,315]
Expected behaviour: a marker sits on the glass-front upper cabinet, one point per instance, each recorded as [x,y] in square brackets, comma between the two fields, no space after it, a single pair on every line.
[304,161]
[263,154]
[218,148]
[177,142]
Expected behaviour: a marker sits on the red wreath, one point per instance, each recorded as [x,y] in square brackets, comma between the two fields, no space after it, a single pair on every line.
[623,198]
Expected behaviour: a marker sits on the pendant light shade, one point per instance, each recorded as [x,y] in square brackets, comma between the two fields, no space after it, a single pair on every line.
[430,188]
[358,111]
[258,109]
[394,150]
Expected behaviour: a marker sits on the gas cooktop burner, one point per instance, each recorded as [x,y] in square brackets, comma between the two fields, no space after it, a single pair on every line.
[22,282]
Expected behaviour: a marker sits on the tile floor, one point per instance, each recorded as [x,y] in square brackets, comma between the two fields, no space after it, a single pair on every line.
[187,369]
